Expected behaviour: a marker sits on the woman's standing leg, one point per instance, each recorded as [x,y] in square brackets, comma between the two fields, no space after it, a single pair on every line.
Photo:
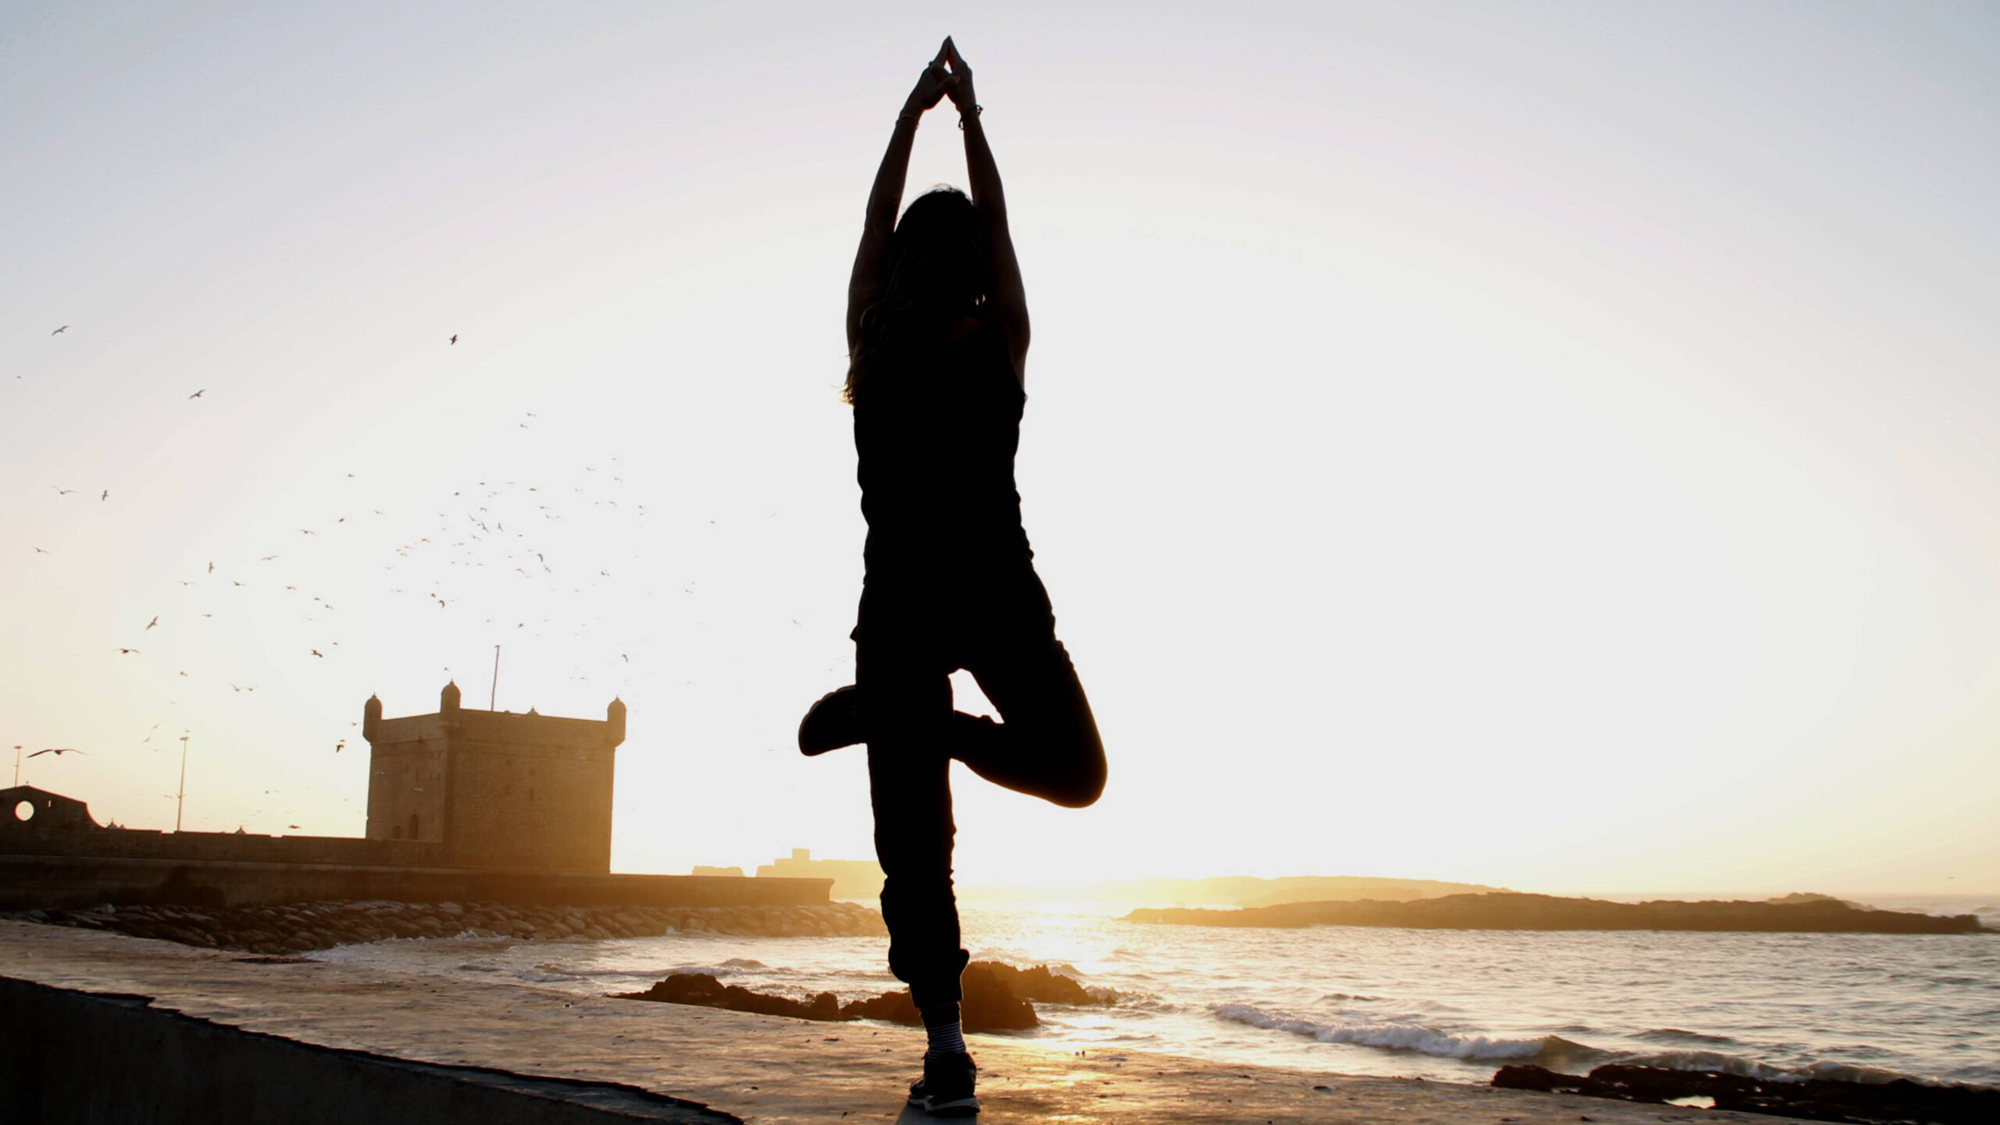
[906,702]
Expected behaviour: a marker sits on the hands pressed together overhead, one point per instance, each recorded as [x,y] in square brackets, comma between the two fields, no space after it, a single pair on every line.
[946,76]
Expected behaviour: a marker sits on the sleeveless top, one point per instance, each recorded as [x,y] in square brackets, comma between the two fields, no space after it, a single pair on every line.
[935,430]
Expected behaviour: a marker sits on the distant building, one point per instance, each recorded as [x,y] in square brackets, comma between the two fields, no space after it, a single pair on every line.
[852,878]
[463,806]
[496,789]
[460,788]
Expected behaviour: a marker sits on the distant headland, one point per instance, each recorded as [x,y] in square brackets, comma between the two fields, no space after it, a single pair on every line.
[1227,890]
[1506,910]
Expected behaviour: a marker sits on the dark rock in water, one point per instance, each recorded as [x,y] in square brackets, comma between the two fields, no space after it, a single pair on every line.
[996,998]
[705,990]
[1511,911]
[1536,1078]
[989,1004]
[1039,983]
[1863,1103]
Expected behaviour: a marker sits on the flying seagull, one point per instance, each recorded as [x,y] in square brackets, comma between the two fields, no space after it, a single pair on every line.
[106,495]
[61,491]
[57,750]
[454,337]
[153,622]
[60,331]
[128,651]
[199,393]
[319,654]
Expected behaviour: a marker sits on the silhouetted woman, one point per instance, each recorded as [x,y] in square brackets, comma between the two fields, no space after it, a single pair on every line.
[937,337]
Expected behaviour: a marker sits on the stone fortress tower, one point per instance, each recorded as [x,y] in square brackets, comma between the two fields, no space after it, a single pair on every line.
[497,789]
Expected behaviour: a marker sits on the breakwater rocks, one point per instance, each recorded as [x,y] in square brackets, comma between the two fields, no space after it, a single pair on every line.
[996,998]
[1865,1103]
[301,927]
[1509,911]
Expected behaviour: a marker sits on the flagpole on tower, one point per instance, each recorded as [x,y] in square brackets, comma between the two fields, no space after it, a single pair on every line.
[492,701]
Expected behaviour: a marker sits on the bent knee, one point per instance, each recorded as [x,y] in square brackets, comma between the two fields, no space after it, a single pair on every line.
[1080,792]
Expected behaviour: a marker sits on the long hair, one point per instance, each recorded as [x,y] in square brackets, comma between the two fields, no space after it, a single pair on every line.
[937,271]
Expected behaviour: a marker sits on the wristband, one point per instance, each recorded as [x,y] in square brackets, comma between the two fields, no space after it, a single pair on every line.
[976,111]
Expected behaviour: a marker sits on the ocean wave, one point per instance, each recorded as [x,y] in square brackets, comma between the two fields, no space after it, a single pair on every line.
[1406,1037]
[1555,1052]
[1676,1035]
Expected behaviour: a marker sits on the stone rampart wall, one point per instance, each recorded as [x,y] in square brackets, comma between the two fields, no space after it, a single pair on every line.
[51,882]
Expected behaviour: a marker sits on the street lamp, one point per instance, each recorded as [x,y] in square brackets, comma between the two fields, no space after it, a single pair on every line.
[180,798]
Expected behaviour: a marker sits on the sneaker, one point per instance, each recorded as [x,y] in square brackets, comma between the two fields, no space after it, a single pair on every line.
[832,723]
[945,1090]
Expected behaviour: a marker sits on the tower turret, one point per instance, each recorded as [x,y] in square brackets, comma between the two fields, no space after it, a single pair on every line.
[614,715]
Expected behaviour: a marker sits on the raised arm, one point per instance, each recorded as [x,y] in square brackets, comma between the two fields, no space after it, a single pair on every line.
[865,284]
[1009,298]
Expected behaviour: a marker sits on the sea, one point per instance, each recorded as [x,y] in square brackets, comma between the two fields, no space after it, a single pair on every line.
[1449,1005]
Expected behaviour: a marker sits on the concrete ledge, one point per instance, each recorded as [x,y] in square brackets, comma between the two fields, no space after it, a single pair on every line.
[89,1058]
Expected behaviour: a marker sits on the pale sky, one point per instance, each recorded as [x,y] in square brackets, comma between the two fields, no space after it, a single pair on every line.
[1553,445]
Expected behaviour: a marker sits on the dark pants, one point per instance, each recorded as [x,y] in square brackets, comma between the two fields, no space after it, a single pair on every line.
[909,641]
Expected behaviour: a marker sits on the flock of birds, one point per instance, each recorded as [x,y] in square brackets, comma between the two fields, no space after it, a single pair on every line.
[508,528]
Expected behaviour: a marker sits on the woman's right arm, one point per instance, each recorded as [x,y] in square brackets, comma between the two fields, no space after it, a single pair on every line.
[865,284]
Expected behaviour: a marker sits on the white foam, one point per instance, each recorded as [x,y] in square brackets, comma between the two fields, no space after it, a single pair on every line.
[1391,1036]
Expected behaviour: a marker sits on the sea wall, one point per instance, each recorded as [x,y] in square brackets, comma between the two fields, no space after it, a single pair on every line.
[84,1057]
[68,882]
[302,927]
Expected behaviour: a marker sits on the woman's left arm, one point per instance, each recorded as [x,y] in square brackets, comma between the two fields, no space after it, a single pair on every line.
[1009,297]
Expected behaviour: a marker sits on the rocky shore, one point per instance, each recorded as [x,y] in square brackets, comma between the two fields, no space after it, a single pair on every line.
[996,998]
[1860,1103]
[302,927]
[1509,911]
